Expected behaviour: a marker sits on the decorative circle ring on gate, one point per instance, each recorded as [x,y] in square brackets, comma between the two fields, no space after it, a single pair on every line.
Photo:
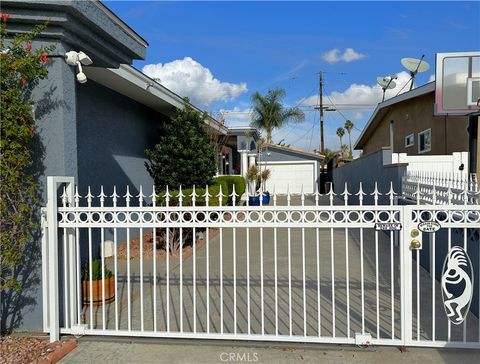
[133,217]
[325,216]
[353,216]
[295,216]
[440,216]
[309,216]
[147,217]
[339,216]
[426,216]
[96,217]
[108,217]
[457,284]
[186,216]
[172,217]
[383,216]
[268,216]
[473,216]
[253,216]
[120,217]
[71,217]
[160,217]
[368,216]
[282,216]
[200,216]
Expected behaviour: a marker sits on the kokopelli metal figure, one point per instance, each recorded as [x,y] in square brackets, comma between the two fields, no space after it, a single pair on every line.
[454,274]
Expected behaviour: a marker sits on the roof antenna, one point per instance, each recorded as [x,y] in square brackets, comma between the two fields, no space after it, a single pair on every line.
[387,83]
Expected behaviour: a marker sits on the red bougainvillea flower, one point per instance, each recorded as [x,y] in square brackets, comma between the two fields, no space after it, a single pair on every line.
[24,81]
[22,119]
[4,16]
[32,129]
[28,47]
[44,58]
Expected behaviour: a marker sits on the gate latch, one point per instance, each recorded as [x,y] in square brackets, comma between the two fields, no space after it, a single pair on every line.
[416,243]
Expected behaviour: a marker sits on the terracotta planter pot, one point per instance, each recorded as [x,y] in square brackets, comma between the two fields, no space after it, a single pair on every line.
[97,291]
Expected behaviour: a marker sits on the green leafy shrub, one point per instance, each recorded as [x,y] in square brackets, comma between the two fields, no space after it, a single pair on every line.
[238,182]
[20,69]
[213,190]
[96,271]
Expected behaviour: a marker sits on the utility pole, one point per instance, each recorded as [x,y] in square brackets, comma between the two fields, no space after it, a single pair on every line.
[322,143]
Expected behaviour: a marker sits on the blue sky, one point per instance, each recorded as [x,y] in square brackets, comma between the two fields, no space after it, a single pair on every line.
[219,53]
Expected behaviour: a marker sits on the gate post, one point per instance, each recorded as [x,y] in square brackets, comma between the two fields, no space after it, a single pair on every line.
[406,283]
[53,259]
[52,228]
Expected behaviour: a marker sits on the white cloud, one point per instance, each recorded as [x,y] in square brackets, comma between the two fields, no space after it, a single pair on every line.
[189,78]
[349,55]
[236,116]
[357,97]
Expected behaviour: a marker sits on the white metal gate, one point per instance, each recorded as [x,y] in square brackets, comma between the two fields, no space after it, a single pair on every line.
[305,268]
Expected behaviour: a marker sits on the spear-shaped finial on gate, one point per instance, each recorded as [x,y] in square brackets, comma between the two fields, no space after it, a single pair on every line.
[64,197]
[207,196]
[140,196]
[233,195]
[360,194]
[345,194]
[180,196]
[115,196]
[167,196]
[77,197]
[330,195]
[302,197]
[128,196]
[102,196]
[154,196]
[89,197]
[193,195]
[375,194]
[391,193]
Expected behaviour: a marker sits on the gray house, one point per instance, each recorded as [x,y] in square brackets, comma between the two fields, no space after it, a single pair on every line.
[95,131]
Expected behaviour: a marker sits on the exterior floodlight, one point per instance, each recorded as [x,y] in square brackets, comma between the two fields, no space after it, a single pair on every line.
[77,59]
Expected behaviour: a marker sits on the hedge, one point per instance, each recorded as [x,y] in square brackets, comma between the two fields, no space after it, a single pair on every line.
[238,182]
[213,191]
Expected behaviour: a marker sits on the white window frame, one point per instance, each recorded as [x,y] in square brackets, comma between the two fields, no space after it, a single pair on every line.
[412,136]
[426,131]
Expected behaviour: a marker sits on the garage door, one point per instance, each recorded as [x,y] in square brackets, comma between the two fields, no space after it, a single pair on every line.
[292,177]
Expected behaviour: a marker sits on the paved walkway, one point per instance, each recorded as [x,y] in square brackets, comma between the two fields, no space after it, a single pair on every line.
[91,350]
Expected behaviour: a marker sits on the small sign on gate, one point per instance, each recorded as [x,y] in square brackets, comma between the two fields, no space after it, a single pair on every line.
[388,226]
[429,226]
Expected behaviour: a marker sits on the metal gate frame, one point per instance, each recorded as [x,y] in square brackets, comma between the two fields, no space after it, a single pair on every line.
[72,325]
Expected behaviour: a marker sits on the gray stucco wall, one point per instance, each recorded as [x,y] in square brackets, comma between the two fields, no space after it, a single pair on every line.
[113,132]
[368,170]
[74,25]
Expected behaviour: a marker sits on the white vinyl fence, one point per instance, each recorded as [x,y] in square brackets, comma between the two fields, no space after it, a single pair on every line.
[305,268]
[441,188]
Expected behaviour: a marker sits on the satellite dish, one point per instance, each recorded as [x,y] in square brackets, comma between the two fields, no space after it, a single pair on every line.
[386,83]
[415,66]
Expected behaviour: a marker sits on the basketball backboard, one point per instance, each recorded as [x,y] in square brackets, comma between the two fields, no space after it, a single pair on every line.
[457,88]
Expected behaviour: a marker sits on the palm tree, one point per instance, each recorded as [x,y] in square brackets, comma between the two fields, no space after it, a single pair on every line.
[268,112]
[349,127]
[340,133]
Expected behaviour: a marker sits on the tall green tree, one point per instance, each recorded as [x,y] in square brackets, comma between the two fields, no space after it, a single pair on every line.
[269,113]
[340,134]
[183,155]
[349,127]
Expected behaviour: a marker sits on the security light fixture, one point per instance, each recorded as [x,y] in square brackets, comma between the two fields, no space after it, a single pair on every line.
[77,59]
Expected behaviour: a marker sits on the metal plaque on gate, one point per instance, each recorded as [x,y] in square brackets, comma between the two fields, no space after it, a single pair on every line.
[388,226]
[429,226]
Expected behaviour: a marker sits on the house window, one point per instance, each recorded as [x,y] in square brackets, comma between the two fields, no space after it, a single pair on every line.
[409,140]
[425,141]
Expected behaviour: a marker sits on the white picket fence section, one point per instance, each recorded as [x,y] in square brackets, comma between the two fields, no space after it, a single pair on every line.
[441,188]
[305,268]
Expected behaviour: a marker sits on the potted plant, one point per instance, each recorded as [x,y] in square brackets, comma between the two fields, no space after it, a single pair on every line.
[97,284]
[264,176]
[252,180]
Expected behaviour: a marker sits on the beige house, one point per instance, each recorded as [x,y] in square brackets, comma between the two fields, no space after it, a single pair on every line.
[407,124]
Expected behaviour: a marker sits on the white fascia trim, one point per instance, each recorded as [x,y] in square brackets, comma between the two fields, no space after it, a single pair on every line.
[422,90]
[289,162]
[141,80]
